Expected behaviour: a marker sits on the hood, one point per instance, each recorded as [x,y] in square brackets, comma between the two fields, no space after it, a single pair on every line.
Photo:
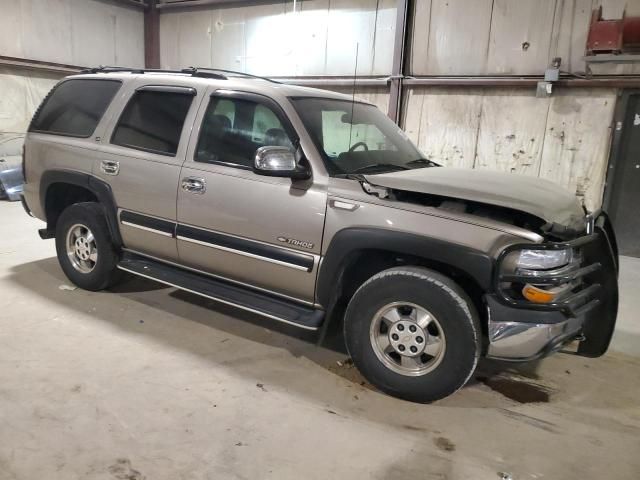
[535,196]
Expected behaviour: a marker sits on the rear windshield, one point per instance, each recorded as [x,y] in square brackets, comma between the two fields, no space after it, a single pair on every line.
[74,107]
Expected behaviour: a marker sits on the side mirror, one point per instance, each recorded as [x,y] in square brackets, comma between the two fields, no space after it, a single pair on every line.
[279,162]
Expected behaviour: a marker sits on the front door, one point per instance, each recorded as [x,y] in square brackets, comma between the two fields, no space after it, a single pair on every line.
[260,231]
[625,185]
[140,159]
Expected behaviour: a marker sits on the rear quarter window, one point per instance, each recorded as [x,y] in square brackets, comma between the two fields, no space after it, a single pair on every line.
[74,107]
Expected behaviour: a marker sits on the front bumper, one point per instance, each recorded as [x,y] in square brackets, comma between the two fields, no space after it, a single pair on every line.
[525,335]
[521,331]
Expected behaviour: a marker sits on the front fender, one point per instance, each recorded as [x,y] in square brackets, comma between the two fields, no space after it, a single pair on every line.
[348,242]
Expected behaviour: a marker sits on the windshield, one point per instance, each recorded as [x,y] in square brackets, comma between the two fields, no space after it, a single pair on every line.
[357,138]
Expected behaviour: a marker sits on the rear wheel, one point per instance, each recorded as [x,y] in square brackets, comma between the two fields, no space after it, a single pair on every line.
[413,333]
[84,247]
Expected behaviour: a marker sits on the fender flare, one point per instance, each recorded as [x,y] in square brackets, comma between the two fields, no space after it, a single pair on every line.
[476,264]
[98,187]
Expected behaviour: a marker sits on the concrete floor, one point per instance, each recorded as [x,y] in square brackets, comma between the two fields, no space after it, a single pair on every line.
[148,383]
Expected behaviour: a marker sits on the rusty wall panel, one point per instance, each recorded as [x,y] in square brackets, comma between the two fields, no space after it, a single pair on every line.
[576,146]
[564,138]
[444,123]
[511,131]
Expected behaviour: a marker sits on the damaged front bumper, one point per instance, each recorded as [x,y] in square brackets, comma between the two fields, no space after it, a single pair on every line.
[519,330]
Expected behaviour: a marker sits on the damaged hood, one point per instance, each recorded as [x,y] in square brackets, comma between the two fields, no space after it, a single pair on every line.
[532,195]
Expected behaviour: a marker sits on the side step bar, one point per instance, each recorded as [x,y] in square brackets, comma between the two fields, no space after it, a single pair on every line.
[253,301]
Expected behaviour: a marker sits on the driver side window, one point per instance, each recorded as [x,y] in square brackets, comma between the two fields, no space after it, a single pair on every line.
[233,129]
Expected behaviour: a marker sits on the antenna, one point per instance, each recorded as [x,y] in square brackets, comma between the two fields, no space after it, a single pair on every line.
[353,93]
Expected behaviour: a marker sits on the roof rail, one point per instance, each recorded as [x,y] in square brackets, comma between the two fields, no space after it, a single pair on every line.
[203,72]
[108,69]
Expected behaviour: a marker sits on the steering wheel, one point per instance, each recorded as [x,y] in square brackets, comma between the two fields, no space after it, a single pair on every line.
[359,144]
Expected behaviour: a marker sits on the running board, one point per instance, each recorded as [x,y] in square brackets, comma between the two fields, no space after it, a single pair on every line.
[253,301]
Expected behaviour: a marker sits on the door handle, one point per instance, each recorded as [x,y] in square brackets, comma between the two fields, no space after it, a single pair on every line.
[110,167]
[194,185]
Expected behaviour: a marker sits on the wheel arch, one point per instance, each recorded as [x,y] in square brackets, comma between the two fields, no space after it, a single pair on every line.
[356,254]
[61,188]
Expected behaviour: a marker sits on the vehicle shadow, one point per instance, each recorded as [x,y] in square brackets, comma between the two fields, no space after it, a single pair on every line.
[43,277]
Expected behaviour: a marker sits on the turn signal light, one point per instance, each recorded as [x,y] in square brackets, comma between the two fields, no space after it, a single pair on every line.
[538,295]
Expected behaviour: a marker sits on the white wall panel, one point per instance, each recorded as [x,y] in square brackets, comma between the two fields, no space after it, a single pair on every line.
[46,30]
[76,32]
[93,33]
[22,92]
[520,37]
[269,45]
[194,39]
[10,28]
[458,37]
[227,40]
[310,37]
[169,41]
[319,37]
[351,23]
[129,40]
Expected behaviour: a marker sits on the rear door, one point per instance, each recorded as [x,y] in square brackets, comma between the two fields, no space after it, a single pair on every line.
[262,231]
[140,159]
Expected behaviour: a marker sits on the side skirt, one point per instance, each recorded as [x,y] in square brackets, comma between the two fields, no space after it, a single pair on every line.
[260,303]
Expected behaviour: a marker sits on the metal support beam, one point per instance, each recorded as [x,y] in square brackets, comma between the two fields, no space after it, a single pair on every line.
[152,35]
[529,82]
[397,69]
[39,65]
[164,5]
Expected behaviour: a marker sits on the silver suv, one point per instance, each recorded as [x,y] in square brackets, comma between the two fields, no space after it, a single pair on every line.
[305,207]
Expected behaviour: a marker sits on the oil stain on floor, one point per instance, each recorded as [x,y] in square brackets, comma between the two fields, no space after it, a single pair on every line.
[518,390]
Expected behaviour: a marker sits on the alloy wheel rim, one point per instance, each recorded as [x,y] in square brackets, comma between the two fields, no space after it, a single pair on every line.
[81,248]
[407,339]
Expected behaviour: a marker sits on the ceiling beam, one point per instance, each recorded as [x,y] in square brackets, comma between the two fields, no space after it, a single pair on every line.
[38,65]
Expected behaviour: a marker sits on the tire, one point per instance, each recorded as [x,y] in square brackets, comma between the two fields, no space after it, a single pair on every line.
[80,265]
[443,323]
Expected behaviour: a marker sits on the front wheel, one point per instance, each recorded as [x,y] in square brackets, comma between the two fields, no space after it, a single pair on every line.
[84,247]
[413,333]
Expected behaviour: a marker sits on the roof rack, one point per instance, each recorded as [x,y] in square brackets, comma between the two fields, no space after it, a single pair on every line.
[202,72]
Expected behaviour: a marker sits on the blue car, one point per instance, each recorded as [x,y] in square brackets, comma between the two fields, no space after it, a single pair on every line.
[11,177]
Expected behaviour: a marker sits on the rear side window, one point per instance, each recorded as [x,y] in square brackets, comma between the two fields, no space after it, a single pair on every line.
[153,121]
[74,107]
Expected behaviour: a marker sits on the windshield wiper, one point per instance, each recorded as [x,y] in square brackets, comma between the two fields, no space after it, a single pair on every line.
[383,166]
[423,161]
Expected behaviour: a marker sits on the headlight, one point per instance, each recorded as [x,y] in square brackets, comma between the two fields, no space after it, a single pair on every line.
[544,259]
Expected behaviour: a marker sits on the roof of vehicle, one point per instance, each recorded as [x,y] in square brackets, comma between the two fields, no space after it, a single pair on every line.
[228,82]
